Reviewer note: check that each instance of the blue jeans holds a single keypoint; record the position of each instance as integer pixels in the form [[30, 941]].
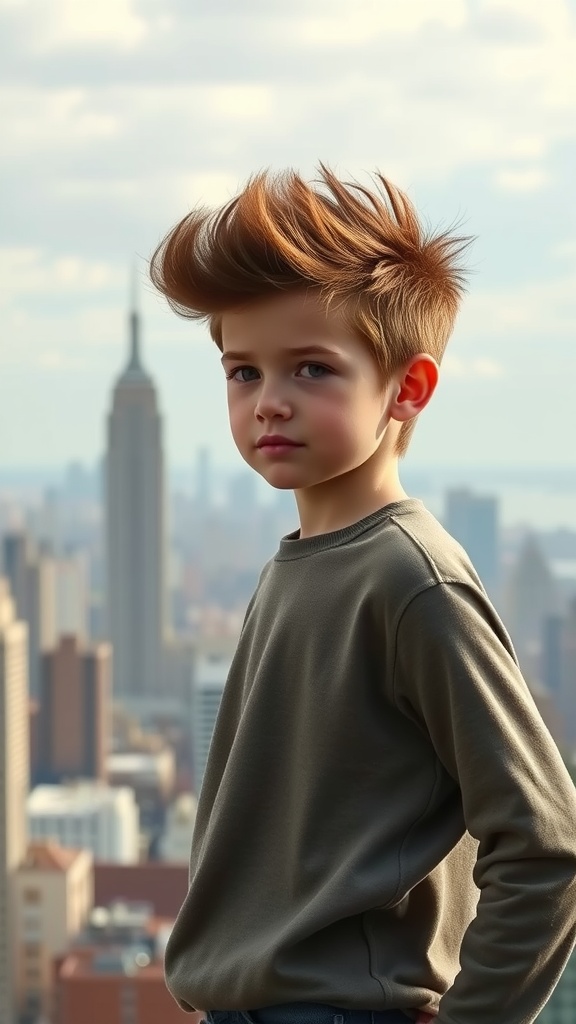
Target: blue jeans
[[306, 1013]]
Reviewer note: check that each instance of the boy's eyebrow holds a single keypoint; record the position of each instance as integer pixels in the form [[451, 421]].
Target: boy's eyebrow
[[305, 350]]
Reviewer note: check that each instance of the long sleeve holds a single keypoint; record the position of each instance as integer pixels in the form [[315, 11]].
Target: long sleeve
[[457, 677]]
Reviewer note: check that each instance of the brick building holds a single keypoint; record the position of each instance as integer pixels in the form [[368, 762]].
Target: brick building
[[115, 987]]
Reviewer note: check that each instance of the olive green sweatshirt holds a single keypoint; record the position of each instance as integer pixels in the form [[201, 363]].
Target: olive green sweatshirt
[[385, 821]]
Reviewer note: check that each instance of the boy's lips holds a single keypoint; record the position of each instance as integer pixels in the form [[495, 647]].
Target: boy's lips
[[276, 441]]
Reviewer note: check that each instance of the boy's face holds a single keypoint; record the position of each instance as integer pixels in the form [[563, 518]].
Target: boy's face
[[296, 371]]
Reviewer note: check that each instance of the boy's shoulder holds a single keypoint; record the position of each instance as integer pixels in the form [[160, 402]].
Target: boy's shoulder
[[414, 553], [381, 562]]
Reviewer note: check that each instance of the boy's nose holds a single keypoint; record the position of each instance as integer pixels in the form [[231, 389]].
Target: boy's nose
[[271, 402]]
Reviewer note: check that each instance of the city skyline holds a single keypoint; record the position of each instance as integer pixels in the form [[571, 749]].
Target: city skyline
[[536, 497], [117, 124]]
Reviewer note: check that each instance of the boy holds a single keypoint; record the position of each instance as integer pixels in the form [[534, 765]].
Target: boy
[[385, 831]]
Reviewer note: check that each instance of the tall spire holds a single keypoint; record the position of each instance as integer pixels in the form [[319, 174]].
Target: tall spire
[[134, 363]]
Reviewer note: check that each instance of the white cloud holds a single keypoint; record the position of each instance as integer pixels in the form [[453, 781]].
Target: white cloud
[[206, 189], [565, 250], [37, 121], [76, 336], [526, 179], [369, 18], [28, 271], [528, 311], [65, 123], [53, 359], [486, 368], [431, 93], [67, 23], [552, 18], [477, 368], [238, 101]]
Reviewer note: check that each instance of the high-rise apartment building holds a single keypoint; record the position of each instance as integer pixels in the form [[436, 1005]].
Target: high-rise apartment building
[[135, 499], [531, 598], [72, 595], [569, 664], [472, 520], [54, 896], [204, 483], [243, 495], [206, 695], [88, 816], [14, 782], [17, 553], [75, 710], [551, 656], [31, 574]]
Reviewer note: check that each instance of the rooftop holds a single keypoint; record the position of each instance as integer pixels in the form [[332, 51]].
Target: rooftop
[[212, 672], [164, 886], [77, 797], [113, 962], [136, 763], [49, 856]]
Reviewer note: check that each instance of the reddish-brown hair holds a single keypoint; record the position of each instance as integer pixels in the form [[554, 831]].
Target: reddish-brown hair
[[398, 286]]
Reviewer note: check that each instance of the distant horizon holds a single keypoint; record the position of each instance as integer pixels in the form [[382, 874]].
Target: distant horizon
[[529, 497], [562, 475]]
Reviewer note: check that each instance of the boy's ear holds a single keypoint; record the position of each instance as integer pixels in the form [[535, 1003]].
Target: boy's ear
[[415, 385]]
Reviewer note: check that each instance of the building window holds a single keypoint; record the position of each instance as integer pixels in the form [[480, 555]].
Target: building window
[[32, 896], [128, 1007]]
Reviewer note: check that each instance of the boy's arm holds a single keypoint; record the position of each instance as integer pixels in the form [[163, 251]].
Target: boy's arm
[[457, 676]]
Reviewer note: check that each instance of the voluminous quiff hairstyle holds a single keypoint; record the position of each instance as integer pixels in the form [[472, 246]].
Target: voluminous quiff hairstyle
[[398, 286]]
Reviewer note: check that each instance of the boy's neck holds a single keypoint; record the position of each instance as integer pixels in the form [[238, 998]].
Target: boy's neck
[[347, 499]]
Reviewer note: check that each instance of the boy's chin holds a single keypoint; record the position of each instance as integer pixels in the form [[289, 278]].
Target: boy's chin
[[294, 483], [281, 485], [283, 479]]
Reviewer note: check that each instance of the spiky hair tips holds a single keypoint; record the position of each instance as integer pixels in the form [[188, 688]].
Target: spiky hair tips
[[280, 232]]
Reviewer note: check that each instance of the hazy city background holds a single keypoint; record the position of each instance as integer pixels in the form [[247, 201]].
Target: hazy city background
[[131, 533]]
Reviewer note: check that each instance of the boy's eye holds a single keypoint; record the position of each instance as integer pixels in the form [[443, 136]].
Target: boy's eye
[[233, 375], [316, 366]]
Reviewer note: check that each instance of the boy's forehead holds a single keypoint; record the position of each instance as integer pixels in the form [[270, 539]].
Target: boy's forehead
[[298, 312]]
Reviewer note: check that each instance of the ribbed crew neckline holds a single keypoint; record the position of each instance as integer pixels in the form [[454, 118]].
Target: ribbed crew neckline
[[293, 546]]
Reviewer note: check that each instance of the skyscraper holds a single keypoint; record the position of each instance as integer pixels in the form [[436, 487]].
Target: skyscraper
[[72, 594], [472, 520], [31, 575], [73, 728], [14, 781], [558, 670], [203, 490], [135, 502], [568, 674], [551, 656], [205, 697], [531, 599]]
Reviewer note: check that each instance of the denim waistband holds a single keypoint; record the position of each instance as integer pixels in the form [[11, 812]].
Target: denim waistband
[[307, 1013]]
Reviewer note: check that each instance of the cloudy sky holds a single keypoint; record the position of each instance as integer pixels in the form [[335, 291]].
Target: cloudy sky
[[118, 117]]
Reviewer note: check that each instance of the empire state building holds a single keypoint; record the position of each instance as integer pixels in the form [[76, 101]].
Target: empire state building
[[135, 499]]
